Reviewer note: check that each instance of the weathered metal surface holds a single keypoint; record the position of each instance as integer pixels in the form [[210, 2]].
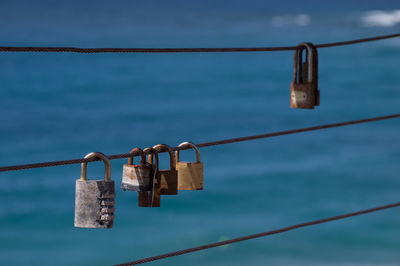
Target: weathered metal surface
[[136, 177], [94, 199], [169, 181], [149, 199], [302, 96], [94, 203], [190, 174], [168, 177], [152, 197], [304, 91]]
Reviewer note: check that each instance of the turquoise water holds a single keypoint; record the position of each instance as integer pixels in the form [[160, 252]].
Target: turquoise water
[[63, 106]]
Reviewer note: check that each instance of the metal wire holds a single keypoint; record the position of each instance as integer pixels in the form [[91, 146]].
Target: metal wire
[[214, 143], [184, 50], [268, 233], [202, 145]]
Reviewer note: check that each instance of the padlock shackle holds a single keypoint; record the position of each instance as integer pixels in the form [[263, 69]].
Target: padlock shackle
[[150, 156], [165, 147], [107, 165], [311, 59], [191, 145], [152, 152], [141, 153]]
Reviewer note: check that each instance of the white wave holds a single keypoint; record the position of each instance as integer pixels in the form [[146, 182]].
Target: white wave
[[302, 20], [380, 18], [299, 20]]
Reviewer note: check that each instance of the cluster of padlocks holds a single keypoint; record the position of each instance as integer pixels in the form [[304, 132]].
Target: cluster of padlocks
[[95, 199]]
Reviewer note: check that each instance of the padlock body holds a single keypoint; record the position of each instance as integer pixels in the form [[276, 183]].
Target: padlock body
[[150, 198], [169, 182], [136, 177], [145, 199], [303, 95], [190, 175], [94, 203]]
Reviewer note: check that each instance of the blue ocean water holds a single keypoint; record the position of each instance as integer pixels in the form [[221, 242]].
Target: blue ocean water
[[63, 106]]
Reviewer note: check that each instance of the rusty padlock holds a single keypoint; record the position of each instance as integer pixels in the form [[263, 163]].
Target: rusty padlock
[[304, 91], [95, 199], [190, 174], [151, 198], [136, 177], [168, 177]]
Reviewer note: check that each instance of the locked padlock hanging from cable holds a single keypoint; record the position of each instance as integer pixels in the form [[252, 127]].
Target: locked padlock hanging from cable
[[190, 174], [136, 177], [95, 199], [168, 177], [152, 197], [304, 91]]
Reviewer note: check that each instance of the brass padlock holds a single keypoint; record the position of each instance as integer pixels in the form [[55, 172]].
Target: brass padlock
[[168, 177], [304, 91], [190, 174], [151, 198], [136, 177], [94, 199]]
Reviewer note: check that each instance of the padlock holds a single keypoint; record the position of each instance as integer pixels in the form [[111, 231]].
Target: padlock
[[168, 177], [151, 198], [190, 174], [136, 177], [95, 199], [304, 91]]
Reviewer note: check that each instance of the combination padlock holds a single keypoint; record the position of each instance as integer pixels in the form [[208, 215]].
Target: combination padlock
[[136, 177], [152, 197], [95, 199], [168, 177], [304, 91], [190, 174]]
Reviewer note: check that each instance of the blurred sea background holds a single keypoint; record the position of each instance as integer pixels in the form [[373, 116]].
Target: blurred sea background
[[57, 106]]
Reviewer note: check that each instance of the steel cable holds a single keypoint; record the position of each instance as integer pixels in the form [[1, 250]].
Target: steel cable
[[214, 143], [268, 233], [185, 50], [204, 144]]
